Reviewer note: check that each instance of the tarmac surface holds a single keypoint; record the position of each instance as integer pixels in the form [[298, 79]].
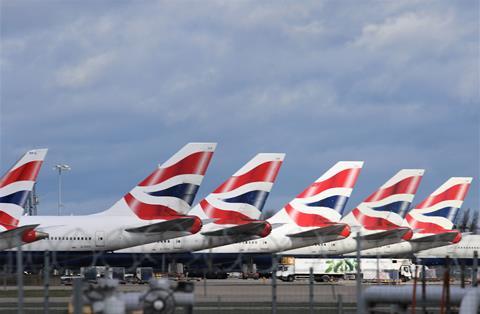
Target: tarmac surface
[[214, 296]]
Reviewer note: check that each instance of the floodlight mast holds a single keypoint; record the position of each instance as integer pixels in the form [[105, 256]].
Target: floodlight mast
[[60, 168]]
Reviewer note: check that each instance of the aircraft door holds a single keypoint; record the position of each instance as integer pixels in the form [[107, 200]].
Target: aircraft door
[[99, 239], [263, 244], [177, 243]]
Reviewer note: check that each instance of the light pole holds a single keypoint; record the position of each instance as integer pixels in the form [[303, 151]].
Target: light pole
[[60, 168]]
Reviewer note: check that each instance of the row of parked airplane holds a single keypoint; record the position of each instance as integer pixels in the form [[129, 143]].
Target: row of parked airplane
[[157, 216]]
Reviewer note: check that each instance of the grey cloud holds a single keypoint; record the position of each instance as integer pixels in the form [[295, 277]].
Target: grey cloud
[[112, 88]]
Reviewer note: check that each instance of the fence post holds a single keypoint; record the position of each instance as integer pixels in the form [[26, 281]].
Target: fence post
[[204, 284], [424, 289], [310, 295], [449, 306], [5, 276], [20, 277], [340, 304], [462, 273], [46, 281], [414, 297], [475, 269], [163, 263], [77, 296], [359, 275], [274, 284]]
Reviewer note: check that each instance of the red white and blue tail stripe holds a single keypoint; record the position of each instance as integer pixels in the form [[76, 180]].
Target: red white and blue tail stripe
[[240, 199], [386, 208], [16, 185], [170, 190], [437, 213], [323, 202]]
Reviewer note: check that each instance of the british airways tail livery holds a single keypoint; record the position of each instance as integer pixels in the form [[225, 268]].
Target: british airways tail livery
[[432, 220], [231, 213], [311, 217], [241, 198], [15, 187], [154, 210], [170, 189], [378, 218], [386, 208], [323, 202], [437, 213]]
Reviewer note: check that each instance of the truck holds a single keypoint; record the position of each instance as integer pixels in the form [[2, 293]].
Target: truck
[[249, 271], [386, 269], [333, 269], [143, 274]]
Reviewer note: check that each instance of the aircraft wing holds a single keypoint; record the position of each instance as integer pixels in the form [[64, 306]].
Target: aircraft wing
[[387, 234], [248, 229], [441, 237], [319, 232], [9, 238], [177, 224]]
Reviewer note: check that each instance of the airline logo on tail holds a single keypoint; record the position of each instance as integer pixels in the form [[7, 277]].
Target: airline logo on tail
[[437, 213], [323, 202], [169, 191], [241, 198], [386, 208], [16, 185]]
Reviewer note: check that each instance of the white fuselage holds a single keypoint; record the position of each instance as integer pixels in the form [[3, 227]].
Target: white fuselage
[[465, 248], [92, 233]]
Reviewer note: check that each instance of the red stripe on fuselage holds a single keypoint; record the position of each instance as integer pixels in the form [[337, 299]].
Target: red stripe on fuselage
[[406, 186], [195, 163], [26, 172], [373, 223], [343, 179], [454, 193], [266, 172]]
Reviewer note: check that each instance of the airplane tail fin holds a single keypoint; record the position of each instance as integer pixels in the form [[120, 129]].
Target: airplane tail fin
[[437, 213], [386, 208], [171, 188], [323, 202], [16, 185], [241, 198]]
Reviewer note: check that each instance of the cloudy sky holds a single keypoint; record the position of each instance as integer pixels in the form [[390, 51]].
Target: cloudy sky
[[115, 87]]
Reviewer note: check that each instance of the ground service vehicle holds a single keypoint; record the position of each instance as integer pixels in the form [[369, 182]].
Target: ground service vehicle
[[332, 269], [144, 274]]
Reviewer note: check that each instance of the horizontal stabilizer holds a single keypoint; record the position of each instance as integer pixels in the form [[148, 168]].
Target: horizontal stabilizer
[[10, 238], [319, 232], [249, 229], [441, 237], [387, 234], [178, 224]]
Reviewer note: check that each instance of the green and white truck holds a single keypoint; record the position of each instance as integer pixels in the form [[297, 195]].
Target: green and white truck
[[333, 269]]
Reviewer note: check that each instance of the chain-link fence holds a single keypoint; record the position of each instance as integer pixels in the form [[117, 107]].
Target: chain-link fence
[[56, 282]]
